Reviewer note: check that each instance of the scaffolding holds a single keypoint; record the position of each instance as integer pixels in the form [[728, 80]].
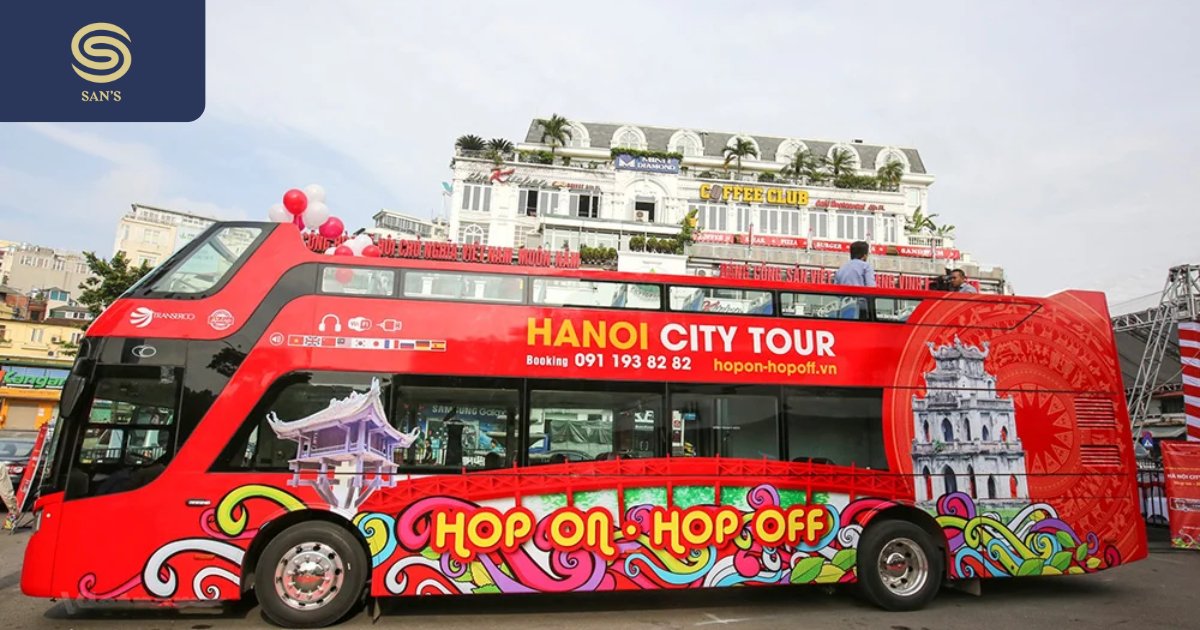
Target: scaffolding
[[1180, 302]]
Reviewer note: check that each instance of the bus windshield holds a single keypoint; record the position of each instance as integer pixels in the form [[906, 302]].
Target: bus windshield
[[208, 264]]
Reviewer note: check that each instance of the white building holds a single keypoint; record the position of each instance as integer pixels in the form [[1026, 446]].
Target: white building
[[612, 182], [149, 234], [398, 225], [965, 435], [33, 269]]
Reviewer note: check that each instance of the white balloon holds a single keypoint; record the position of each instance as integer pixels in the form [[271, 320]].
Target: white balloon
[[316, 214], [330, 250], [314, 192], [279, 214], [358, 243]]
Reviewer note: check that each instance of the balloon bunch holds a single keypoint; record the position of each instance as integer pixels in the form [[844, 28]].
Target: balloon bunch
[[361, 245], [306, 209]]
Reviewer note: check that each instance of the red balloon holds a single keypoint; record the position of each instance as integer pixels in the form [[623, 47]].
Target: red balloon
[[372, 251], [332, 228], [344, 275], [295, 201], [342, 250]]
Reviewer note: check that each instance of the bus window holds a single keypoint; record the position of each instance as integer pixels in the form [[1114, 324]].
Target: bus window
[[127, 436], [894, 309], [843, 426], [459, 423], [357, 281], [208, 264], [293, 397], [479, 287], [824, 306], [716, 300], [573, 426], [585, 293], [730, 425]]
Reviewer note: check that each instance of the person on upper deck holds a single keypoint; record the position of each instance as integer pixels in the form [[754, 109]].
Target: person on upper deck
[[857, 271]]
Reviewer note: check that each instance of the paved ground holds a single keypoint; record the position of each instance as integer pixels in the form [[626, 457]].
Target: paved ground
[[1160, 592]]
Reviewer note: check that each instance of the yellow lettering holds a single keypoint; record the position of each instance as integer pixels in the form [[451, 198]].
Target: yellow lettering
[[705, 191], [818, 525], [535, 331], [769, 527], [489, 522], [600, 531], [773, 195], [662, 527], [456, 530], [566, 335], [593, 333], [645, 335], [758, 195], [697, 528], [566, 529], [630, 332], [803, 200], [729, 523], [520, 525]]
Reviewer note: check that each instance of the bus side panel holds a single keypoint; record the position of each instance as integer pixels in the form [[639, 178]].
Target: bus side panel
[[1017, 436]]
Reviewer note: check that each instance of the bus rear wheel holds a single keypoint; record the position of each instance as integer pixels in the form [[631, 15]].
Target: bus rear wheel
[[899, 567], [311, 575]]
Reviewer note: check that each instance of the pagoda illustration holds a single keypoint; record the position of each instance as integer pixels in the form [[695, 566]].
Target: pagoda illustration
[[346, 451], [965, 437]]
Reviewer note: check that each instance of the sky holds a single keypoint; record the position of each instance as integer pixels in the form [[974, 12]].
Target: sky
[[1062, 135]]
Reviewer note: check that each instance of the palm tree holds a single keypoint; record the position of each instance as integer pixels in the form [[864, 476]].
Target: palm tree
[[920, 223], [469, 142], [944, 230], [740, 148], [802, 165], [555, 132], [841, 162], [500, 144], [889, 174]]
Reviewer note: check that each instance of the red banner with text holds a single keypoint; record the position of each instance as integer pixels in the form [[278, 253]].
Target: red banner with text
[[1181, 466]]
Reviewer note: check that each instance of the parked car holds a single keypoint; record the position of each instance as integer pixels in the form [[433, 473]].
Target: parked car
[[15, 448]]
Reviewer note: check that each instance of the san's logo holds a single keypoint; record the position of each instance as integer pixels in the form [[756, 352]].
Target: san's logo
[[141, 317], [101, 51]]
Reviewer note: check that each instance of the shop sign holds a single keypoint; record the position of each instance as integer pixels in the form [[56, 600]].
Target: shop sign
[[647, 164], [456, 252], [754, 194], [848, 205], [23, 377]]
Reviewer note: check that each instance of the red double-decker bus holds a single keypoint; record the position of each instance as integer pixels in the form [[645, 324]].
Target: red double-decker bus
[[257, 415]]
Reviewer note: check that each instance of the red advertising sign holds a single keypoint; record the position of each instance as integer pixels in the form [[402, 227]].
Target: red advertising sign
[[943, 253], [1181, 466], [762, 271]]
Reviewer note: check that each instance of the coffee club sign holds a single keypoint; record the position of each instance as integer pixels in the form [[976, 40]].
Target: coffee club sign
[[754, 194]]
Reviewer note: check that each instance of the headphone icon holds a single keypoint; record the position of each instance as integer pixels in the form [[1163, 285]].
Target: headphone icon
[[337, 323]]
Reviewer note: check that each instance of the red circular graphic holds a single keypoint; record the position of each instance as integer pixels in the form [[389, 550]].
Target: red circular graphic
[[221, 319]]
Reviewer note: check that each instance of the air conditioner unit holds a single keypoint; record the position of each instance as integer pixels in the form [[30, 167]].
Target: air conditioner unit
[[640, 215]]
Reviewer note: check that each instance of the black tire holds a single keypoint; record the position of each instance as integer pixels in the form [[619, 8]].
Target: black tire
[[332, 552], [909, 583]]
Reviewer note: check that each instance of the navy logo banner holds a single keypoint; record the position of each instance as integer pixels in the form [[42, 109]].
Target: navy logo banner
[[113, 61]]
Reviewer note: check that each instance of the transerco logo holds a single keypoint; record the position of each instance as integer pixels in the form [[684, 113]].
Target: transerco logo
[[142, 316]]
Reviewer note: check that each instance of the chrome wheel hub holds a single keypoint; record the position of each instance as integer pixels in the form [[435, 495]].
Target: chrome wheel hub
[[309, 576], [903, 567]]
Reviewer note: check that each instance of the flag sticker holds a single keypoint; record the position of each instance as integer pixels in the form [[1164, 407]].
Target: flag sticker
[[366, 343]]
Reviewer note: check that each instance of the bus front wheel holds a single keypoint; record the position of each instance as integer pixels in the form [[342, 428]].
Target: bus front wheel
[[899, 567], [311, 575]]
